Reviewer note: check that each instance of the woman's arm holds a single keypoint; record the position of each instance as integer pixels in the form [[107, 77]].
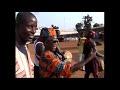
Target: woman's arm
[[99, 54], [39, 49]]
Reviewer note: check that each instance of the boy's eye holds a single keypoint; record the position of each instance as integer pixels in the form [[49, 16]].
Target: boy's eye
[[32, 27], [29, 26]]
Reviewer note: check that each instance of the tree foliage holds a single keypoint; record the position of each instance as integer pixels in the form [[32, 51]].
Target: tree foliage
[[55, 27], [87, 21]]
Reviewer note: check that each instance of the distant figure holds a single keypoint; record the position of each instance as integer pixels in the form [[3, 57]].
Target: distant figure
[[26, 24], [80, 44]]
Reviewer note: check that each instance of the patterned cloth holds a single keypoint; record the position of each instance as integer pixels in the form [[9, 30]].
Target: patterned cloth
[[52, 67], [24, 66]]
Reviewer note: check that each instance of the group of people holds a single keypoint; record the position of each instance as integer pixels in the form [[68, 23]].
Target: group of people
[[49, 61]]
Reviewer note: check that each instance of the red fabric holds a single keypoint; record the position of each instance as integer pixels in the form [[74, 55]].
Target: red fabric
[[52, 32]]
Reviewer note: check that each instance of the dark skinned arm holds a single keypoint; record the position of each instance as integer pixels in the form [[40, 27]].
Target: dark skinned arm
[[39, 49], [99, 54], [78, 65]]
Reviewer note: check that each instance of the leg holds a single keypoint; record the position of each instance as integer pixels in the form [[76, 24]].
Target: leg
[[80, 59], [87, 75], [83, 68], [95, 70], [95, 74]]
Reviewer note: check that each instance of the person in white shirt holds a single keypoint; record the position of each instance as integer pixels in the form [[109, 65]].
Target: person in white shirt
[[26, 25]]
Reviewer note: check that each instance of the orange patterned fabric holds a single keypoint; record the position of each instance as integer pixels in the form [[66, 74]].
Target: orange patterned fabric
[[52, 32], [52, 67]]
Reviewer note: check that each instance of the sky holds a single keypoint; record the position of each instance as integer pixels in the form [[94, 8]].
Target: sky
[[66, 20]]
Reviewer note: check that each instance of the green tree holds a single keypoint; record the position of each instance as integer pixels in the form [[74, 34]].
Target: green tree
[[55, 27], [52, 25], [79, 26], [96, 25], [87, 22]]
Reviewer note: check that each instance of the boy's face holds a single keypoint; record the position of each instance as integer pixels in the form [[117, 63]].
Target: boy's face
[[27, 29]]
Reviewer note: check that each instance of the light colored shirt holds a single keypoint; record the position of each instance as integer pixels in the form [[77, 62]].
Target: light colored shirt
[[24, 66], [80, 47]]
